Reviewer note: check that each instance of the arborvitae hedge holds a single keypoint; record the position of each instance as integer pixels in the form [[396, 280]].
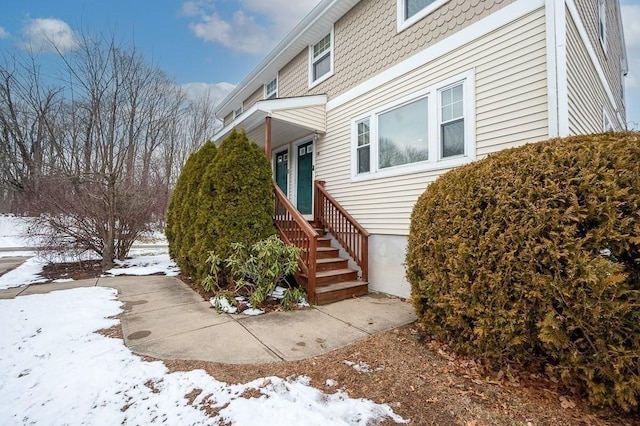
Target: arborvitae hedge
[[183, 207], [531, 256], [240, 210], [224, 195]]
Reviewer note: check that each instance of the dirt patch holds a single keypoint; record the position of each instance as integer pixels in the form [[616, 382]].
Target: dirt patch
[[74, 270], [114, 332]]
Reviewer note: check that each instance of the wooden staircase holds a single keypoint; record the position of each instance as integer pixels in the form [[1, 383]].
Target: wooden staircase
[[335, 280], [326, 276]]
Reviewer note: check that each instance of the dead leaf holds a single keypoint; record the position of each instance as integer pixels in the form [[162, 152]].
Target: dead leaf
[[566, 403]]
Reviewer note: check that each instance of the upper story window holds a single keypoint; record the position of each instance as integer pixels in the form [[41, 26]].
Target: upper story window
[[271, 89], [237, 112], [602, 23], [431, 129], [321, 60], [411, 11]]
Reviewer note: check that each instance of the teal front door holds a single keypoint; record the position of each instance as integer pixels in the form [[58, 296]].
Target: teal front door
[[282, 171], [305, 177]]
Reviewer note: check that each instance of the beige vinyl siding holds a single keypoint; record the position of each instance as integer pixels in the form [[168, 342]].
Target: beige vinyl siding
[[366, 42], [586, 94], [611, 60], [256, 96], [511, 97], [312, 117]]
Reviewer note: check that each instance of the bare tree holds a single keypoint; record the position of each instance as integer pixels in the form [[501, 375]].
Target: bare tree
[[94, 156]]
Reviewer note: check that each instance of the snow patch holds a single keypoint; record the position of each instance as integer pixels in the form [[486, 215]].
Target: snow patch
[[27, 273], [142, 264], [57, 369]]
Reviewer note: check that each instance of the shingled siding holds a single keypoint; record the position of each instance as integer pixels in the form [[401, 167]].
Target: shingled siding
[[367, 42], [586, 94], [511, 96], [610, 62]]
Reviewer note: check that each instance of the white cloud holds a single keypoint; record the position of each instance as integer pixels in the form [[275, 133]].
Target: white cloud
[[48, 35], [214, 92], [630, 19], [3, 33], [253, 29]]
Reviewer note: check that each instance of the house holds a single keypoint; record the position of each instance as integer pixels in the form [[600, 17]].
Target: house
[[366, 102]]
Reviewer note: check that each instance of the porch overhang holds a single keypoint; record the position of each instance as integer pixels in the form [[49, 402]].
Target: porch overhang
[[291, 119]]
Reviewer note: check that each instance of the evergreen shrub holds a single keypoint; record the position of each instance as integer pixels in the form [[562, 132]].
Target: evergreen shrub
[[183, 207], [236, 200], [223, 196], [531, 257]]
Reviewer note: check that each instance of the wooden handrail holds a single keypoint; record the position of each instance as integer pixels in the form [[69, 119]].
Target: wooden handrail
[[344, 228], [295, 230]]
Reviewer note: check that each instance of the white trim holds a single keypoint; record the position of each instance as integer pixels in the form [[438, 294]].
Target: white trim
[[435, 161], [573, 10], [481, 28], [267, 106], [552, 75], [312, 82], [561, 68], [266, 94], [402, 23]]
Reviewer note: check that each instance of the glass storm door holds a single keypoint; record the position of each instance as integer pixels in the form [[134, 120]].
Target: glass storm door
[[305, 176], [282, 171]]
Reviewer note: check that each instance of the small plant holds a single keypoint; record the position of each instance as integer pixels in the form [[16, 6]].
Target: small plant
[[253, 271], [293, 296]]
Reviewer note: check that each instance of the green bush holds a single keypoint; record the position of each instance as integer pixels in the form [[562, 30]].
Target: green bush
[[223, 196], [531, 256], [254, 271], [182, 212], [240, 209]]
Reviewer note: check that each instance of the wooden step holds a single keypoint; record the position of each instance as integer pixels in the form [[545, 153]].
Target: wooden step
[[340, 291], [335, 276], [327, 252], [322, 241], [331, 264]]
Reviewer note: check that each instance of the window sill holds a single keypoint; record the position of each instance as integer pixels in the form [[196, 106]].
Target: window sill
[[413, 169], [313, 84]]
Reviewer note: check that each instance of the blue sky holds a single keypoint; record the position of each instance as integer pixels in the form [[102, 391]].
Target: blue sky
[[206, 43]]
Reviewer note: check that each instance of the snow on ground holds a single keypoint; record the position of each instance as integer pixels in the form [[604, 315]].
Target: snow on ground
[[25, 274], [57, 370], [11, 229], [143, 262]]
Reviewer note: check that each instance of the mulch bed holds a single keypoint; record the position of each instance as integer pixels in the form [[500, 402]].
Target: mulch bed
[[418, 377]]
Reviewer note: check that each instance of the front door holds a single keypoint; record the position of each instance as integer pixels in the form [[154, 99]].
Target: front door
[[305, 178], [282, 171]]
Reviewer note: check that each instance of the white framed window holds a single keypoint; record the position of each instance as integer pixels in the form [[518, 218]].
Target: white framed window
[[411, 11], [271, 89], [321, 60], [607, 125], [238, 112], [429, 129], [602, 24]]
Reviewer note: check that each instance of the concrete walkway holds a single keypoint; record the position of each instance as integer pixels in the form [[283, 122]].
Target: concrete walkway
[[165, 318]]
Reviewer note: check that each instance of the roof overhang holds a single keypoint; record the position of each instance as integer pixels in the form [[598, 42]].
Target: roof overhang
[[314, 26], [285, 127]]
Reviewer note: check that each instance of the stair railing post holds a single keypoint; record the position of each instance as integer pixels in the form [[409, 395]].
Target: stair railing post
[[311, 267]]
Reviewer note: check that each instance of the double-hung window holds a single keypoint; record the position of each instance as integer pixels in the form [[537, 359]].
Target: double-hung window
[[271, 89], [411, 11], [321, 60], [602, 23], [429, 129]]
